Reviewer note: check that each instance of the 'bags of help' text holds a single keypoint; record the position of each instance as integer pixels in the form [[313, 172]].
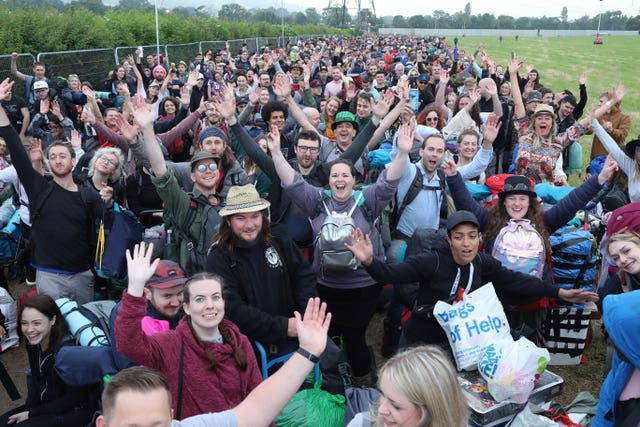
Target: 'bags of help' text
[[471, 324]]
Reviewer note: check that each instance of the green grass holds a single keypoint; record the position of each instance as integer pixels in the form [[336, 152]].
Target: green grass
[[561, 60]]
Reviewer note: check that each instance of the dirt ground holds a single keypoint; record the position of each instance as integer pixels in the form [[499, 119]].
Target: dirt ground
[[585, 377]]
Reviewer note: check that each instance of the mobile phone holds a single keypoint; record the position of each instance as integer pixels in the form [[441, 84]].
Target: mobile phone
[[140, 55], [513, 55]]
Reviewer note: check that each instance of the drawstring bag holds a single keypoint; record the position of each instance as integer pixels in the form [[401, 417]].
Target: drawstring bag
[[126, 231]]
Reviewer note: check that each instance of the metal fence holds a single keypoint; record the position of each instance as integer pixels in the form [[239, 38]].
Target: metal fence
[[94, 65]]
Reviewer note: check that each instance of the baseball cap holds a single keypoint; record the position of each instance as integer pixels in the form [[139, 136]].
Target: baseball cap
[[461, 217], [534, 95], [315, 83], [167, 275], [40, 84]]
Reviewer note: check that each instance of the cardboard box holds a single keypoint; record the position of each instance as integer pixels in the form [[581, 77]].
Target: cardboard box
[[486, 412]]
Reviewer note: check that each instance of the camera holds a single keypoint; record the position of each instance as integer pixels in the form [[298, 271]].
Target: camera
[[105, 96]]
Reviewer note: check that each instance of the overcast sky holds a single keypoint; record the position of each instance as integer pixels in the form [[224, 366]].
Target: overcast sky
[[516, 8]]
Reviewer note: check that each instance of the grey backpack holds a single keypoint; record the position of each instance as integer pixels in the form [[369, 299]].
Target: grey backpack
[[333, 234]]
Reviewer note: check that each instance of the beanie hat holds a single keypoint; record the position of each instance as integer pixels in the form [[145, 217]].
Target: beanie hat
[[159, 67], [213, 131]]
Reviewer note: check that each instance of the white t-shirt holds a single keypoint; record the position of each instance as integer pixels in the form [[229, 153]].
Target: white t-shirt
[[219, 419]]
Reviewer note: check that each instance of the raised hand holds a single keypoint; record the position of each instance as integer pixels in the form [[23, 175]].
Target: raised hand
[[618, 93], [139, 267], [254, 97], [361, 247], [491, 128], [312, 329], [5, 89], [87, 116], [609, 168], [44, 106], [129, 131], [491, 88], [381, 108], [449, 167], [582, 80], [55, 109], [225, 106], [273, 140], [192, 80], [142, 112], [35, 151], [444, 77], [406, 134], [75, 139], [282, 87]]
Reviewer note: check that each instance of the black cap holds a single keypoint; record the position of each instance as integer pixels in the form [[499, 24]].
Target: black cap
[[461, 217]]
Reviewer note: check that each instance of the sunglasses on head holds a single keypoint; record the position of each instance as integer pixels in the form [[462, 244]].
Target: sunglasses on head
[[210, 166]]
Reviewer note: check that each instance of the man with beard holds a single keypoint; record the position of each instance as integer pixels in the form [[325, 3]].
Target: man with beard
[[64, 216], [266, 278]]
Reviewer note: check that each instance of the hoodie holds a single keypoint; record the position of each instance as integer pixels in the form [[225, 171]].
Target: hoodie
[[622, 320]]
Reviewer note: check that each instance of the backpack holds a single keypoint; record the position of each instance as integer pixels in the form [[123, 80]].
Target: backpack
[[334, 233], [198, 248], [573, 258], [519, 247], [89, 323], [413, 191]]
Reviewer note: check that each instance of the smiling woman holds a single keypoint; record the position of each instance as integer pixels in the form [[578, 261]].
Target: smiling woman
[[49, 401], [209, 363]]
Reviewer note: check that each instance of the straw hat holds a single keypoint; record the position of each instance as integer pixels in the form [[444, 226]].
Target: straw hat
[[243, 199]]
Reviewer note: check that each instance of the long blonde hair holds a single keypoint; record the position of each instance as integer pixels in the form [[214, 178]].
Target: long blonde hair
[[427, 378]]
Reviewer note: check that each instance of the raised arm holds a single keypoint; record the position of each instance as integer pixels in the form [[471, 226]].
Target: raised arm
[[143, 114], [283, 168], [518, 104], [14, 66], [404, 144], [266, 401], [282, 89], [618, 94]]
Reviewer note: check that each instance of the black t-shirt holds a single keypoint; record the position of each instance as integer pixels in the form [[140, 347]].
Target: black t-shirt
[[61, 234], [12, 107]]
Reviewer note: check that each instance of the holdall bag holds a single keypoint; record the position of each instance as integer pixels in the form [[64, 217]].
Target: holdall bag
[[126, 231], [573, 259]]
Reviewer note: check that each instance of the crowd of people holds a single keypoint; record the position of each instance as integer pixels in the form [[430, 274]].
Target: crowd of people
[[287, 177]]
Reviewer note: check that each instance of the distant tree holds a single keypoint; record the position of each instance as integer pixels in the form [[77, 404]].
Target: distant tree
[[584, 23], [467, 15], [564, 15], [505, 22], [399, 22], [299, 18], [633, 24], [184, 11], [265, 15], [416, 21], [95, 6], [523, 23], [313, 17], [233, 12], [134, 4]]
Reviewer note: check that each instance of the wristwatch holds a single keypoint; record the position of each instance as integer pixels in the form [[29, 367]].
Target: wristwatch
[[304, 353]]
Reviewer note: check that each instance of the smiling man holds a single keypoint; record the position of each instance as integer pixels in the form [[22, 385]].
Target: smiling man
[[265, 275]]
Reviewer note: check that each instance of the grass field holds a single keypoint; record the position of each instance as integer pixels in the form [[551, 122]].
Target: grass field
[[561, 60]]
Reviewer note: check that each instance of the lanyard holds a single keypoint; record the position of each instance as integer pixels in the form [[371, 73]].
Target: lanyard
[[457, 281]]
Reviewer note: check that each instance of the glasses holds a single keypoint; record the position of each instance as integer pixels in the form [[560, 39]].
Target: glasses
[[305, 148], [518, 187], [203, 168], [423, 82], [431, 119], [108, 161]]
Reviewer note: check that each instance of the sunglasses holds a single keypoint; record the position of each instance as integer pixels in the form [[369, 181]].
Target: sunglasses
[[423, 82], [431, 119], [518, 187], [203, 168]]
